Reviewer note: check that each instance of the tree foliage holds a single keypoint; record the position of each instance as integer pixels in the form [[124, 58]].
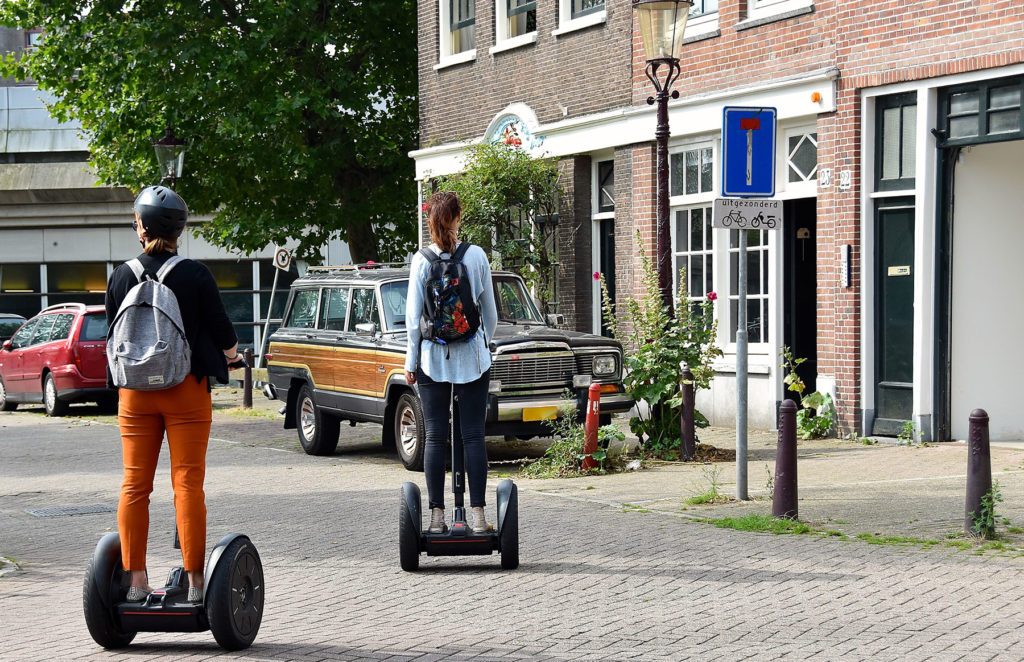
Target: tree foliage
[[510, 208], [299, 114]]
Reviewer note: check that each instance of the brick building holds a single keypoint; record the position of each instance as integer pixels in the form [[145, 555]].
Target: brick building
[[899, 143]]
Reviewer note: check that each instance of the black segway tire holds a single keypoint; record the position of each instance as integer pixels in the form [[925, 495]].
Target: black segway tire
[[508, 535], [408, 532], [98, 617], [234, 596]]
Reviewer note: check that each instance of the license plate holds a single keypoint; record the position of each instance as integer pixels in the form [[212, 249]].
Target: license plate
[[540, 413]]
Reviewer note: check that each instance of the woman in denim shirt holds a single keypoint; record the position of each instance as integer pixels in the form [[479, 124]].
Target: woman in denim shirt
[[462, 366]]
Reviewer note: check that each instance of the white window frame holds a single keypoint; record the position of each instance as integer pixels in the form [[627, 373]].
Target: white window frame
[[767, 8], [502, 41], [445, 57], [692, 200], [566, 23], [804, 189], [698, 26], [595, 233]]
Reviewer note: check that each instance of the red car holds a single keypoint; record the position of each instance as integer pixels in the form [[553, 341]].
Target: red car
[[57, 357]]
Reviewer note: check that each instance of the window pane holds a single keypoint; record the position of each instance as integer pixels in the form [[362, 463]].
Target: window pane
[[42, 332], [76, 277], [1004, 121], [23, 335], [606, 186], [734, 307], [680, 264], [891, 143], [393, 296], [754, 319], [303, 315], [62, 326], [963, 127], [909, 157], [20, 278], [231, 275], [94, 327], [583, 7], [753, 272], [332, 312], [238, 306], [692, 165], [706, 165], [682, 231], [708, 272], [803, 157], [1004, 97], [697, 228], [364, 308], [696, 276], [675, 174], [707, 229], [963, 102]]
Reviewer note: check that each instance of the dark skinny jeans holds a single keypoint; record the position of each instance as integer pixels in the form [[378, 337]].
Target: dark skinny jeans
[[472, 411]]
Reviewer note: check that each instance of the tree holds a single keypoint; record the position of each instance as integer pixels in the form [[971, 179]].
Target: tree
[[299, 114], [510, 208]]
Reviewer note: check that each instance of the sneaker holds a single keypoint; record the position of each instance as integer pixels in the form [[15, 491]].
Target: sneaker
[[136, 594], [195, 595], [437, 524], [478, 522]]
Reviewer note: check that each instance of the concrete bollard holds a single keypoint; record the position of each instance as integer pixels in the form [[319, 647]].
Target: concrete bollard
[[591, 425], [979, 468], [247, 380], [784, 497], [688, 450]]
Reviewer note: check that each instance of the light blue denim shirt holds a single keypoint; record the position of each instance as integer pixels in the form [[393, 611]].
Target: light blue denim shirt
[[457, 362]]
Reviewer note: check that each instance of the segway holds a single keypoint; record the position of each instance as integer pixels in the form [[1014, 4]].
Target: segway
[[232, 605], [459, 540]]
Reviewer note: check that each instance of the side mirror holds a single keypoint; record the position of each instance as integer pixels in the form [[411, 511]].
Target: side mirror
[[555, 319], [366, 329], [7, 345]]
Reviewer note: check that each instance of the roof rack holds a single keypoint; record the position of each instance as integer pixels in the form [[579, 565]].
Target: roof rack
[[63, 306], [358, 267]]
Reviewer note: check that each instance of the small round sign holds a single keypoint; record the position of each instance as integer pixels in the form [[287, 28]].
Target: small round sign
[[282, 259]]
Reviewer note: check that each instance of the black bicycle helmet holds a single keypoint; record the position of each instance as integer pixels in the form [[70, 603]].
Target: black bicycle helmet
[[161, 211]]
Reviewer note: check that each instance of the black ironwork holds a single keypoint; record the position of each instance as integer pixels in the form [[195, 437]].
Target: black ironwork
[[784, 501], [688, 451], [662, 72], [979, 472]]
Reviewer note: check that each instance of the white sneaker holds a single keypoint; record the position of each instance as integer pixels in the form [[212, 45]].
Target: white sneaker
[[478, 522], [437, 524]]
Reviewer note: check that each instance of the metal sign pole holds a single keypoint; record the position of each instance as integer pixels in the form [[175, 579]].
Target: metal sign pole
[[266, 324], [741, 372]]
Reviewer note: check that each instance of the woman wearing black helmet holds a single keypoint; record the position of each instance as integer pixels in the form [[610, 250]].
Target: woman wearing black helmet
[[184, 411]]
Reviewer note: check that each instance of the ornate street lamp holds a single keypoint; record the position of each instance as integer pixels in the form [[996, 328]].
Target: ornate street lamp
[[170, 155], [662, 24]]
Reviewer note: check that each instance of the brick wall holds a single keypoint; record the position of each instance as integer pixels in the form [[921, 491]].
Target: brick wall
[[575, 243]]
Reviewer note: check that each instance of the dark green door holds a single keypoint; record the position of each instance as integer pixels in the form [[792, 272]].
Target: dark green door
[[894, 318]]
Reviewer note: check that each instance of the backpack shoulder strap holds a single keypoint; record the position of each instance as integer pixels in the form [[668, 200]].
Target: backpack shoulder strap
[[460, 252], [430, 255], [167, 266], [136, 266]]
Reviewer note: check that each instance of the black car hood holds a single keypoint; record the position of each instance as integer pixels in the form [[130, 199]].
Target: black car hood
[[509, 334]]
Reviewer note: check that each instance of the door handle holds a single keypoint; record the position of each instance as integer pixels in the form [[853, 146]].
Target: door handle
[[380, 369]]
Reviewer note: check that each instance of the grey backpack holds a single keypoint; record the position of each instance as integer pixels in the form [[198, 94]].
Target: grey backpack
[[146, 345]]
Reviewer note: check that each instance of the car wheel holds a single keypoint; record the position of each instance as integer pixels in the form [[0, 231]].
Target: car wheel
[[5, 404], [318, 431], [54, 405], [410, 436]]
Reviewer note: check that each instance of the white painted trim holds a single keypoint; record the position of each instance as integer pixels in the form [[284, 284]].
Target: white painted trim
[[458, 58], [926, 196], [867, 264], [501, 36], [573, 24], [701, 25], [900, 193], [635, 124], [946, 81], [767, 8], [514, 42]]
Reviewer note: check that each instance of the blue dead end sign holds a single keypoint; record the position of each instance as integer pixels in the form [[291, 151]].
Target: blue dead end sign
[[748, 152]]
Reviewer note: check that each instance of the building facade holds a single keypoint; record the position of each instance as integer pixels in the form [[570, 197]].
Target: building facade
[[898, 141]]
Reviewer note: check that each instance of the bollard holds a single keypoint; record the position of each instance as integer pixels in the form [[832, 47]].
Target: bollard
[[979, 469], [784, 496], [247, 379], [688, 451], [590, 427]]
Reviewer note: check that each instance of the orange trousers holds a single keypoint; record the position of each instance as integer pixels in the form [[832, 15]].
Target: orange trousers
[[184, 412]]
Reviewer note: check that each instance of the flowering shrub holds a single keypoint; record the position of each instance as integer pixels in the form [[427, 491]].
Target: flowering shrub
[[656, 350]]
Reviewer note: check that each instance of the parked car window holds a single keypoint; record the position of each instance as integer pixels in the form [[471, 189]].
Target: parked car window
[[21, 338], [61, 327], [42, 332], [332, 312], [303, 313], [94, 327], [392, 296], [8, 327], [364, 308], [514, 303]]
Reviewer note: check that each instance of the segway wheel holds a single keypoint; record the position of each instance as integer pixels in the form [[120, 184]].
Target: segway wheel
[[508, 535], [408, 535], [234, 597], [99, 618]]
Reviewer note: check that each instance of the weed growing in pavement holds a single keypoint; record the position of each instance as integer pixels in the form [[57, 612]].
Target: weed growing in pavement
[[712, 474], [564, 456], [984, 521], [242, 412], [907, 434], [770, 484], [762, 524]]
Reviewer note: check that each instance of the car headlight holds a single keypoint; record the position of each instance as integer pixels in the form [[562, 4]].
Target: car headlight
[[604, 365]]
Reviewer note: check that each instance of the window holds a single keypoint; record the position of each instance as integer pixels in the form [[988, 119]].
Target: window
[[802, 157], [584, 7], [62, 326], [20, 289], [768, 8], [515, 24], [457, 39], [80, 282], [364, 308], [393, 297], [693, 251], [606, 186], [235, 280], [94, 327], [691, 171], [980, 112], [303, 315], [334, 309], [757, 284], [703, 8], [896, 131], [578, 14], [33, 38], [23, 335], [43, 329]]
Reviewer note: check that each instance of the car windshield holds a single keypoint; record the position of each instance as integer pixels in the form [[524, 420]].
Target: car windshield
[[514, 303], [392, 298], [94, 327]]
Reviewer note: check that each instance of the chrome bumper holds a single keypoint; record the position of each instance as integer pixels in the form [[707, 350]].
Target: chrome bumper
[[536, 409]]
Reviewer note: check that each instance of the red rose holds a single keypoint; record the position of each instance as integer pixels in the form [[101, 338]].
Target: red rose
[[712, 296]]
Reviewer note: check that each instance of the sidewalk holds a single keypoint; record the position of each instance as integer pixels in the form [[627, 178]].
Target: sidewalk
[[844, 486]]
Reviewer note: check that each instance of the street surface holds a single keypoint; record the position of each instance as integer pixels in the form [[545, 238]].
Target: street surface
[[596, 582]]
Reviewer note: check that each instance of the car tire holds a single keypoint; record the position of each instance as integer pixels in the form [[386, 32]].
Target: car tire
[[54, 405], [410, 433], [5, 404], [318, 431]]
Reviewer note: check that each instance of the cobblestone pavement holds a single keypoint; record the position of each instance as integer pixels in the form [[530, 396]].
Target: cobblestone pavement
[[598, 581]]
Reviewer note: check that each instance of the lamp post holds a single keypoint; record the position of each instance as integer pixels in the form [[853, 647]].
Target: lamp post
[[662, 24], [170, 155]]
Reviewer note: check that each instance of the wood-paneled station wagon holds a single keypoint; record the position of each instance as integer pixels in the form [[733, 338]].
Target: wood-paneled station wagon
[[340, 354]]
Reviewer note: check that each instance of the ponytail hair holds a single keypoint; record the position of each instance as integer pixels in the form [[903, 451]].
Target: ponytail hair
[[443, 210], [158, 245]]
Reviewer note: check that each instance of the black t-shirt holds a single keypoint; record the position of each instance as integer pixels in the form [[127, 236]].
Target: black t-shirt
[[207, 328]]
